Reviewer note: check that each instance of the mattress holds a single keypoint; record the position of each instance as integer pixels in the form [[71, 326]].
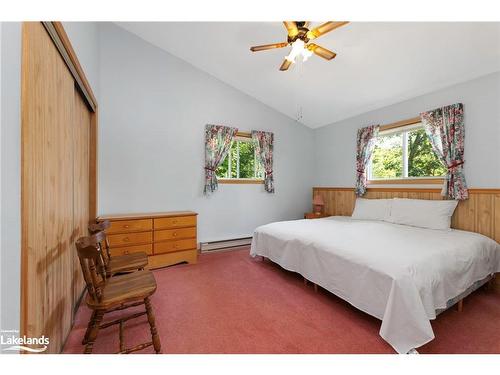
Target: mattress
[[399, 274]]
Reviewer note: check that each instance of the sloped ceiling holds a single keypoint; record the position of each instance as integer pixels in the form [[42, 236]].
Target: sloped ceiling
[[378, 64]]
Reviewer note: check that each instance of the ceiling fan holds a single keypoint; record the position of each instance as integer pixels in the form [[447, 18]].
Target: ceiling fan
[[299, 36]]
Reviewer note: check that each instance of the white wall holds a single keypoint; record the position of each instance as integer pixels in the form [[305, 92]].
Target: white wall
[[10, 251], [335, 144], [153, 110], [84, 37]]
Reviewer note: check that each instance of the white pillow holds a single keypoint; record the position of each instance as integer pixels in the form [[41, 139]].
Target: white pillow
[[372, 209], [433, 214]]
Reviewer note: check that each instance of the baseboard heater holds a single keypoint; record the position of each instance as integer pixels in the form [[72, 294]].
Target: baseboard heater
[[224, 244]]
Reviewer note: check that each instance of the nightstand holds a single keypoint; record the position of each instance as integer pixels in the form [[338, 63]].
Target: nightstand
[[312, 215]]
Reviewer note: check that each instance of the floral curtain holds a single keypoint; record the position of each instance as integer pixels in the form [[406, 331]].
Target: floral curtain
[[445, 128], [264, 150], [365, 144], [218, 140]]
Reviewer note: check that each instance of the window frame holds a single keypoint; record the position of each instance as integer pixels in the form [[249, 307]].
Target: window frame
[[249, 181], [395, 128]]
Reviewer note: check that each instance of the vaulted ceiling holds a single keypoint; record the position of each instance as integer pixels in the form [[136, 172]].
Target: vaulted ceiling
[[377, 64]]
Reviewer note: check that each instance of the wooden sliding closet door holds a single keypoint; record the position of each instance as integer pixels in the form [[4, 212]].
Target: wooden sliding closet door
[[81, 185], [55, 188]]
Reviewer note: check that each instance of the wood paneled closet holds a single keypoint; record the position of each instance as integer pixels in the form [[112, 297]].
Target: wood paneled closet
[[58, 194]]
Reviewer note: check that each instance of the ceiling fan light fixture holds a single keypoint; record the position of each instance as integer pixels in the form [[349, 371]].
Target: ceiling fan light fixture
[[298, 49], [299, 37]]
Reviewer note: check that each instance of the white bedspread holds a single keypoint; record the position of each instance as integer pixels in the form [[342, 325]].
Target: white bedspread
[[397, 273]]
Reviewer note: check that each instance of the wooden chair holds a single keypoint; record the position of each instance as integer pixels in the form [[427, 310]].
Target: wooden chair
[[121, 263], [116, 293]]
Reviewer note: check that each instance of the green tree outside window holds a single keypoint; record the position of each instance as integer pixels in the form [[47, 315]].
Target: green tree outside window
[[241, 162], [413, 146]]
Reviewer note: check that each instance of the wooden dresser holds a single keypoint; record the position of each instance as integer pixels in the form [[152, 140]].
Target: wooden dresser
[[167, 237]]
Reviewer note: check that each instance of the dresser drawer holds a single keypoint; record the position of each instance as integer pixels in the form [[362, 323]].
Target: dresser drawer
[[148, 249], [126, 226], [175, 222], [170, 246], [126, 239], [174, 234]]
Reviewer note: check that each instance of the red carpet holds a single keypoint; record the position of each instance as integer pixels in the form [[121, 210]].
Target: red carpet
[[231, 303]]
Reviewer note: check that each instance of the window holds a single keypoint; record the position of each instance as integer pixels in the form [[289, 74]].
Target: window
[[241, 164], [404, 153]]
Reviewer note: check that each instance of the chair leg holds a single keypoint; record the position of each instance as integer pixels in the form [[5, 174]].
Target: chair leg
[[86, 337], [152, 325], [94, 329]]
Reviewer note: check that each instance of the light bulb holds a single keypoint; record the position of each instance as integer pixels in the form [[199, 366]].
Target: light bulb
[[298, 48], [306, 53]]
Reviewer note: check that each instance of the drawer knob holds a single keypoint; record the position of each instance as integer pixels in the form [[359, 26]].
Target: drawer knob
[[126, 239], [126, 226], [174, 221], [176, 246], [125, 252], [174, 234]]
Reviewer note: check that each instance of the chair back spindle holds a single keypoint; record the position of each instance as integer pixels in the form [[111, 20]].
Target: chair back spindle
[[101, 227], [90, 257]]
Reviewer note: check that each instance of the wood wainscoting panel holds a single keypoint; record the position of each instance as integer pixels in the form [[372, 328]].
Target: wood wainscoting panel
[[484, 214], [480, 213], [464, 217], [496, 219]]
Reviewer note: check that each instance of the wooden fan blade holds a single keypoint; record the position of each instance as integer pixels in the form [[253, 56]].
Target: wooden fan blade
[[286, 64], [324, 28], [321, 52], [291, 27], [268, 46]]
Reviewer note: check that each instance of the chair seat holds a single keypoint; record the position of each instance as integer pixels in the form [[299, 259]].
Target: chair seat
[[124, 288], [127, 262]]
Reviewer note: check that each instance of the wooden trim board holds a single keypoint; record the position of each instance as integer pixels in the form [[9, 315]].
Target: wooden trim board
[[93, 164], [244, 134], [408, 181], [431, 190], [149, 215], [399, 124], [63, 45], [480, 213], [239, 181]]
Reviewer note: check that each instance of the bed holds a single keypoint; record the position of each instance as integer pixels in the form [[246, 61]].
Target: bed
[[400, 274]]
